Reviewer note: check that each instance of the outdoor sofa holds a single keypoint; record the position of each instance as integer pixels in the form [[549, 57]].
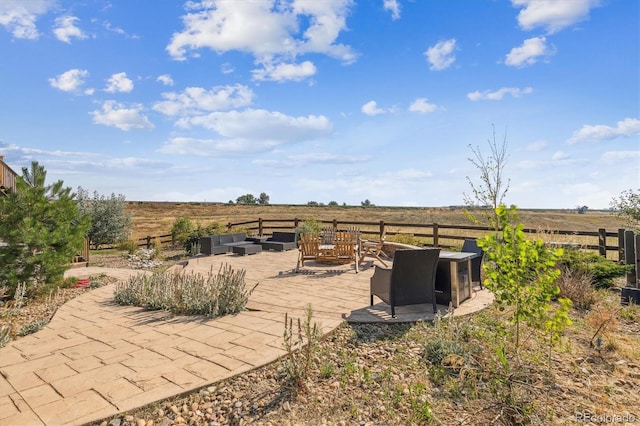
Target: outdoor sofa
[[223, 243], [280, 241]]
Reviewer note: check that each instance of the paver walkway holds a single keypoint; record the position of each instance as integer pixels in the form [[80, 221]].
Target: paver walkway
[[96, 359]]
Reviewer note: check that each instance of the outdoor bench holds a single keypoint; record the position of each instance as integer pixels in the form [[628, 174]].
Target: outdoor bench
[[223, 243], [280, 241]]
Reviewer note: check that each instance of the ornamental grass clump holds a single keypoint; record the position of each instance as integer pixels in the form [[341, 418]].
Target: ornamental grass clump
[[213, 295]]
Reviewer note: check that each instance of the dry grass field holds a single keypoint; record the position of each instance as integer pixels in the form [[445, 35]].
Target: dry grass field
[[156, 218]]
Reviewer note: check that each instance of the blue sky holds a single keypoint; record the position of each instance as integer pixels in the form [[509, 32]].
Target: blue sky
[[326, 100]]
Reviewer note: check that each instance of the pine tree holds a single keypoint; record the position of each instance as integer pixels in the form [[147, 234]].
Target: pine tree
[[41, 228]]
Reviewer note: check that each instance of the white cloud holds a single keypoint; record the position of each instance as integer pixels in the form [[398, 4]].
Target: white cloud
[[270, 33], [65, 29], [615, 157], [499, 94], [227, 68], [371, 108], [421, 105], [559, 155], [553, 15], [394, 7], [165, 79], [195, 100], [119, 83], [600, 132], [284, 72], [536, 146], [69, 81], [528, 53], [440, 56], [117, 115], [312, 158], [19, 16], [107, 25], [262, 126]]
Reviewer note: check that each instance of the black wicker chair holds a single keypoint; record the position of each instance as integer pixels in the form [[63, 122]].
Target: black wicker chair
[[470, 246], [410, 281]]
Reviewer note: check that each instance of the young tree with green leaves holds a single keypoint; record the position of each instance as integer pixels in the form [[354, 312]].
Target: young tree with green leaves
[[42, 228], [110, 222], [522, 274]]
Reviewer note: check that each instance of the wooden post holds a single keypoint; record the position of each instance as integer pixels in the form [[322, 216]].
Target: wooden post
[[630, 257], [620, 245], [637, 261], [602, 242], [335, 224], [148, 242], [382, 230], [435, 234], [260, 227]]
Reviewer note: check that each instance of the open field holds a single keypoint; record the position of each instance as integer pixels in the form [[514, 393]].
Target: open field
[[156, 218]]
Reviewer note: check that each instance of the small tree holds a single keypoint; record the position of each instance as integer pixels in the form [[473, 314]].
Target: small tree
[[109, 221], [492, 189], [42, 229], [582, 209], [246, 199], [627, 206], [366, 203], [263, 199], [522, 273], [181, 229], [332, 203]]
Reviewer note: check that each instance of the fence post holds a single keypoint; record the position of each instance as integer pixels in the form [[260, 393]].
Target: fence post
[[621, 256], [382, 230], [148, 242], [435, 234], [602, 242], [335, 224], [296, 221], [630, 257], [260, 227], [637, 261]]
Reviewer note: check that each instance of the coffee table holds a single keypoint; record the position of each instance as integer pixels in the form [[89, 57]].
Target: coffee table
[[247, 249]]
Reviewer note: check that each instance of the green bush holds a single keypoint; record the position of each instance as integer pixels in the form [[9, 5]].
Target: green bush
[[601, 270], [191, 294], [309, 226], [31, 328], [181, 229], [130, 246]]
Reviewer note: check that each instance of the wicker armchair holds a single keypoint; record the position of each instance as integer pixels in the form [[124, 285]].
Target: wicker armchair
[[411, 280]]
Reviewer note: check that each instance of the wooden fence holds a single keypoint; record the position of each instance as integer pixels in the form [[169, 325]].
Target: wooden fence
[[608, 244]]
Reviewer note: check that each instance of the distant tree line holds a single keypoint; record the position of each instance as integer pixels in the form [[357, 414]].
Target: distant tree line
[[263, 198]]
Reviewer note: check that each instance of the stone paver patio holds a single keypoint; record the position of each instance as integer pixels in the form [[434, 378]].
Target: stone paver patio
[[96, 359]]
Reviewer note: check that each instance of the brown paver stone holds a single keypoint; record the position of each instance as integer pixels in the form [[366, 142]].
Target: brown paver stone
[[40, 395], [69, 410]]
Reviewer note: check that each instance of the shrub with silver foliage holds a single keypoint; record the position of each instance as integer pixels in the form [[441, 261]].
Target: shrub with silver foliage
[[213, 295]]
